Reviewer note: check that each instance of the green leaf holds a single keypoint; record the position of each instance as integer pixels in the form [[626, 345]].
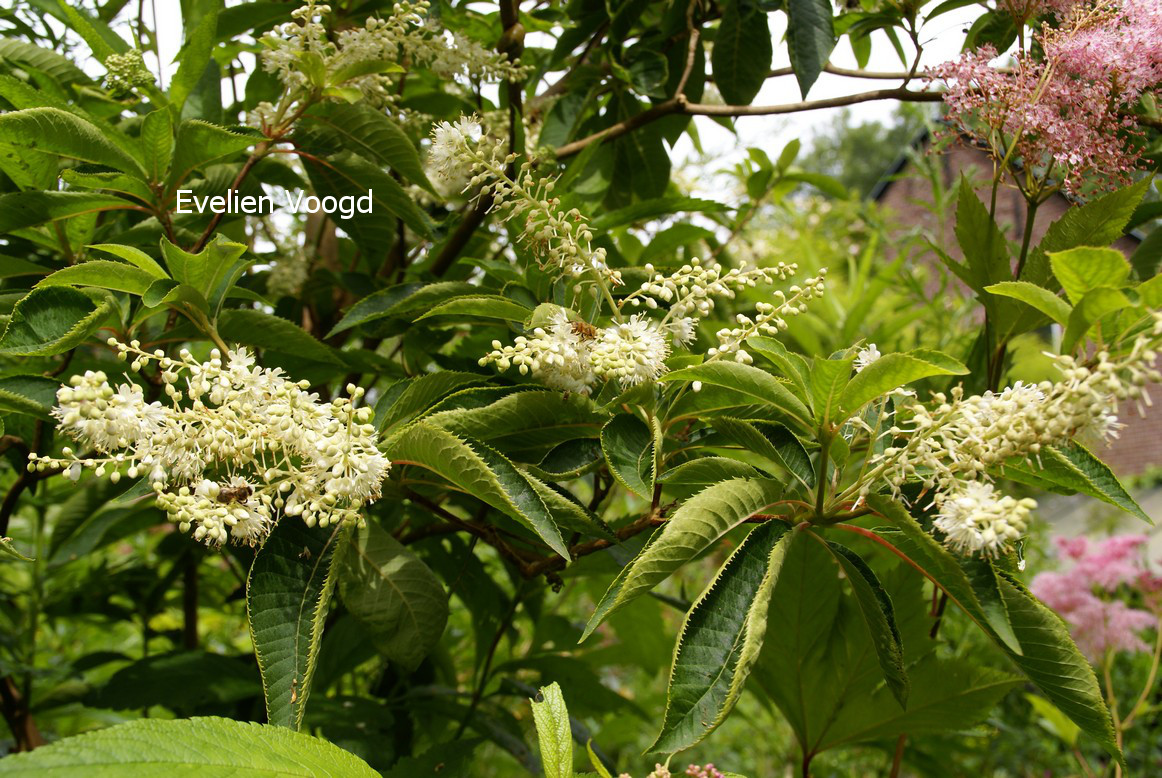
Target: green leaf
[[395, 595], [1099, 222], [651, 209], [56, 66], [372, 135], [401, 299], [1147, 258], [598, 767], [1081, 270], [348, 174], [810, 39], [554, 732], [487, 306], [53, 131], [1095, 304], [134, 256], [479, 471], [741, 57], [50, 321], [11, 267], [523, 421], [157, 143], [208, 747], [794, 367], [267, 331], [876, 607], [199, 143], [771, 442], [1043, 649], [948, 694], [287, 595], [751, 381], [628, 445], [28, 209], [6, 547], [211, 272], [567, 512], [945, 571], [109, 181], [694, 527], [1054, 720], [704, 471], [721, 638], [1071, 469], [892, 371], [166, 291], [100, 38], [416, 395], [102, 273], [1055, 664], [195, 54], [1038, 297], [31, 395], [829, 378], [986, 251], [798, 667]]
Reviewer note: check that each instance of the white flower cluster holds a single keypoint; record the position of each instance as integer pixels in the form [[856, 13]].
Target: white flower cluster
[[974, 517], [235, 446], [957, 441], [690, 291], [571, 354], [865, 356], [462, 151], [301, 52], [632, 351], [769, 319]]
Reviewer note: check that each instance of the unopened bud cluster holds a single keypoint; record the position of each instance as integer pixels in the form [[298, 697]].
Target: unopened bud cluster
[[234, 447], [126, 72], [690, 291], [769, 318], [954, 444]]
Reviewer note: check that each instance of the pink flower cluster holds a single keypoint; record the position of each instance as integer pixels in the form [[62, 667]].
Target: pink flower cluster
[[1067, 114], [693, 771], [1082, 594]]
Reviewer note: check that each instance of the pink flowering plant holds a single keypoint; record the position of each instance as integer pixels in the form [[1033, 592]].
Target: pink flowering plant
[[1111, 597]]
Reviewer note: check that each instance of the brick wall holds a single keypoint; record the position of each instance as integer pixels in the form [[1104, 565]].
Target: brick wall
[[1139, 446]]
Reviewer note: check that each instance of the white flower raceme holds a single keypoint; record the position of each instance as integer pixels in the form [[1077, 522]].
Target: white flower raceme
[[975, 518], [234, 447], [558, 238], [691, 290], [769, 319], [960, 439], [353, 56], [866, 356]]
